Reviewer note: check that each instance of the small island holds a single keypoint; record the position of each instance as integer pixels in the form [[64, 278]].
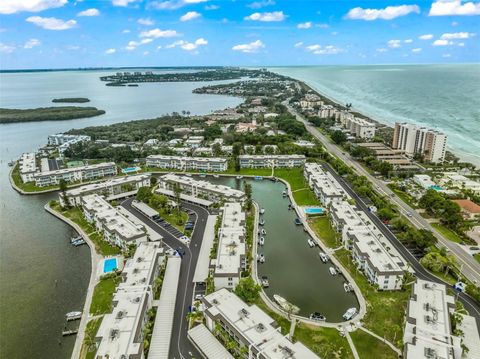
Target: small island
[[71, 100], [47, 114]]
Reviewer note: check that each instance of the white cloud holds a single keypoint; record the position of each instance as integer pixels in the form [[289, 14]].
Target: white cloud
[[454, 7], [324, 50], [442, 43], [190, 16], [454, 23], [417, 49], [110, 51], [132, 45], [172, 4], [394, 43], [14, 6], [126, 31], [249, 48], [408, 41], [322, 26], [89, 12], [31, 43], [426, 37], [146, 22], [260, 4], [266, 16], [188, 46], [211, 7], [122, 3], [145, 53], [461, 44], [157, 33], [305, 25], [456, 35], [6, 49], [446, 55], [51, 23], [298, 44], [389, 13], [382, 50], [73, 47]]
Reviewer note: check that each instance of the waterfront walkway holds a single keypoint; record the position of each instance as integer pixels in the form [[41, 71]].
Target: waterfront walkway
[[96, 258]]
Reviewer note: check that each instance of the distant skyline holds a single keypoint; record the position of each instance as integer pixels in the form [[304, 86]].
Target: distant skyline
[[116, 33]]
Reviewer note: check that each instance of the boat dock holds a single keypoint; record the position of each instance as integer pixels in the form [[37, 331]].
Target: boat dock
[[69, 332]]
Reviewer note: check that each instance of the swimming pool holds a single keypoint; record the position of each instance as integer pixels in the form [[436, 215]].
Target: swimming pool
[[436, 188], [109, 265], [314, 210], [131, 169]]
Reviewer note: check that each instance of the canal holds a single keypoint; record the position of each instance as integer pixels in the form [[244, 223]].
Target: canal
[[294, 270]]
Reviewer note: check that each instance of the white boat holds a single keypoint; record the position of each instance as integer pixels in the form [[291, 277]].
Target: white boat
[[317, 316], [311, 243], [216, 176], [332, 270], [347, 286], [261, 258], [263, 232], [285, 305], [239, 177], [78, 242], [323, 257], [284, 194], [350, 313], [73, 315], [265, 282], [262, 210], [75, 239], [262, 222], [261, 241]]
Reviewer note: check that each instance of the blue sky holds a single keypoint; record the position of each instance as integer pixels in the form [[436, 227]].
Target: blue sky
[[69, 33]]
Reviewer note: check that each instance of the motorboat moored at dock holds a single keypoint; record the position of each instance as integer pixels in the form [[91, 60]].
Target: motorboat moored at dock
[[317, 317], [263, 232], [350, 313], [262, 210], [262, 222], [284, 194], [73, 316], [348, 287], [239, 177], [285, 305], [261, 258], [332, 271], [324, 257], [265, 282], [261, 241], [310, 242], [298, 221]]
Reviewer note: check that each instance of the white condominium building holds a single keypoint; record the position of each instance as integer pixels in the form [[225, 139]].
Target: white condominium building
[[428, 328], [63, 141], [268, 161], [187, 163], [360, 127], [420, 140], [230, 261], [200, 189], [323, 183], [253, 330], [371, 250], [28, 166], [112, 189], [120, 334], [311, 101], [327, 111], [115, 227], [75, 174]]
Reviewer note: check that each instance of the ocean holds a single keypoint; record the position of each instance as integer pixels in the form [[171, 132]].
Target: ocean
[[443, 97]]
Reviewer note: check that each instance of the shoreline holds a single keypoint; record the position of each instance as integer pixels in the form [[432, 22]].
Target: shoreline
[[463, 156], [95, 259]]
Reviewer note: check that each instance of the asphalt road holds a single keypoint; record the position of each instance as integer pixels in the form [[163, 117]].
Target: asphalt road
[[470, 268], [180, 345], [420, 272]]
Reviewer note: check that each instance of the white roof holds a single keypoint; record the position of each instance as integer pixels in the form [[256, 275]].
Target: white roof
[[107, 184], [162, 330], [103, 165], [28, 163], [140, 269], [185, 197], [203, 262], [210, 347]]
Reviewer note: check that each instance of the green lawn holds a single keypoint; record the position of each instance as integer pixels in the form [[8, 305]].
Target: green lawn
[[76, 215], [405, 197], [323, 228], [326, 342], [175, 220], [88, 350], [385, 310], [302, 194], [477, 257], [370, 347], [28, 186], [103, 294], [447, 233]]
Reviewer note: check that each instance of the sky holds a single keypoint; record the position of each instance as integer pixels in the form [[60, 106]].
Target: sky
[[37, 34]]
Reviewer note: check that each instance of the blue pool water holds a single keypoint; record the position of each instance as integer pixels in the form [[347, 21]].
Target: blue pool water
[[131, 169], [436, 188], [109, 265], [316, 210]]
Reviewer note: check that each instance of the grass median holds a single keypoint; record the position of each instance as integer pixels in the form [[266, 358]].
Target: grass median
[[302, 194], [103, 294], [322, 227]]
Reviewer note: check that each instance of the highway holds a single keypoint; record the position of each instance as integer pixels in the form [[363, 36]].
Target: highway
[[420, 272], [180, 345], [470, 268]]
